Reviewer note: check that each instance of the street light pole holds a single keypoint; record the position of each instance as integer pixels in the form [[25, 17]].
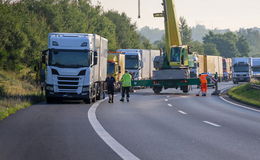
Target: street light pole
[[139, 9]]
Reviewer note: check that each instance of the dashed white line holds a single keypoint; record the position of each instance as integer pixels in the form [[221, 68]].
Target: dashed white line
[[212, 124], [107, 138], [166, 100], [170, 105], [182, 112]]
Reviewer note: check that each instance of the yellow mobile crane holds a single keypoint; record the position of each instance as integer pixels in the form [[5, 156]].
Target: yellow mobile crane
[[172, 68], [176, 53]]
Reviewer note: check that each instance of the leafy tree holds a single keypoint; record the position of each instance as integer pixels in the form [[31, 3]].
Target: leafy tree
[[185, 31], [243, 46], [25, 24], [226, 43], [196, 46], [211, 49]]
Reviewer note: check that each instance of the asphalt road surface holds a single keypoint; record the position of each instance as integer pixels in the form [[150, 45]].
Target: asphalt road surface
[[171, 125]]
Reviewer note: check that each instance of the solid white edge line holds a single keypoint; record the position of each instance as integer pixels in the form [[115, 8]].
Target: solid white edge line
[[106, 137], [213, 124], [239, 105], [182, 112]]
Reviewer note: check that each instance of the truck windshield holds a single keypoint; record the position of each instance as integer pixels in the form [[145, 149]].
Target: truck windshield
[[175, 54], [110, 68], [131, 62], [69, 58], [256, 69], [241, 68]]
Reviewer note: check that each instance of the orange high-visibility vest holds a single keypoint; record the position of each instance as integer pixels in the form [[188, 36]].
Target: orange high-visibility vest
[[203, 78]]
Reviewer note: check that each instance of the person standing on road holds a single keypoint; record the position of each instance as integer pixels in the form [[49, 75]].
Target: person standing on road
[[203, 84], [126, 84], [110, 80]]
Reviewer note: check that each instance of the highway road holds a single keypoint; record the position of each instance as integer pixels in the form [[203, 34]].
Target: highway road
[[171, 125]]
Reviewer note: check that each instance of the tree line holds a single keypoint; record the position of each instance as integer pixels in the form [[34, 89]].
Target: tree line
[[25, 24], [215, 42]]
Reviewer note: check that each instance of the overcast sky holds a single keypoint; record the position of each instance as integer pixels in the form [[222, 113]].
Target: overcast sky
[[221, 14]]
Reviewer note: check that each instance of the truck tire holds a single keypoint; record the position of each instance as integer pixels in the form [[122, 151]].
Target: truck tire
[[100, 93], [87, 101], [157, 89], [185, 89], [50, 100]]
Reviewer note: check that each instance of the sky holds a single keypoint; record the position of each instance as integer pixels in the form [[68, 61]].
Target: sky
[[220, 14]]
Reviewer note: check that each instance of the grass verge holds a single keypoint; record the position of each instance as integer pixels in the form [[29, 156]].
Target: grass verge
[[245, 94], [16, 94]]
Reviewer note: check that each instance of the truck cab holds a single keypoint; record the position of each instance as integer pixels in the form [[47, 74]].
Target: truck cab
[[256, 67], [73, 63], [133, 62], [116, 66], [241, 68]]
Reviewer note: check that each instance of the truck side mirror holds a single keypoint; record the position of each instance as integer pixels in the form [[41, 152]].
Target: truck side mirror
[[119, 69], [95, 58], [44, 59], [42, 75], [141, 64], [44, 53]]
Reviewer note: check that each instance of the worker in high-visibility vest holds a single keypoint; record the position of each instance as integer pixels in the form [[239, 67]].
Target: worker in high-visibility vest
[[203, 84], [126, 84]]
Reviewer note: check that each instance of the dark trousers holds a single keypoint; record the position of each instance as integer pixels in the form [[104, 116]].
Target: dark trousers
[[125, 90]]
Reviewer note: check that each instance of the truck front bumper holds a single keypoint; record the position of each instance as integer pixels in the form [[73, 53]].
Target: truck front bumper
[[241, 79], [67, 95]]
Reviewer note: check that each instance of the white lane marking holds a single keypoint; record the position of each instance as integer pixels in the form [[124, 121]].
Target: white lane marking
[[170, 105], [168, 96], [166, 100], [106, 137], [239, 105], [213, 124], [182, 112]]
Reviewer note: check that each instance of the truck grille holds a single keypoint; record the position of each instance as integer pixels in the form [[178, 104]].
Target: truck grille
[[68, 87], [68, 84], [68, 78]]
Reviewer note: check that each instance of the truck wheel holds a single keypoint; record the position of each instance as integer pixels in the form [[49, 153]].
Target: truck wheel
[[100, 93], [50, 100], [185, 89], [94, 99], [157, 89], [87, 101]]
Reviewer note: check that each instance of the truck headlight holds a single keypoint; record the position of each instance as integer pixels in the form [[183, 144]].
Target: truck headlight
[[49, 88], [85, 89]]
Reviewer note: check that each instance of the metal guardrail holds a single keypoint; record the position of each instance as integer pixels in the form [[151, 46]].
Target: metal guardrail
[[254, 86]]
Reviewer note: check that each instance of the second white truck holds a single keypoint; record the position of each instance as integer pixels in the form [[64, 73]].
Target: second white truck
[[139, 62]]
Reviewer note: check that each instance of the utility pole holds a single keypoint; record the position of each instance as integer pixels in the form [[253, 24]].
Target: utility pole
[[139, 9]]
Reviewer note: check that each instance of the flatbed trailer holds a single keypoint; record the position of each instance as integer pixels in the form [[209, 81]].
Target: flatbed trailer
[[158, 85]]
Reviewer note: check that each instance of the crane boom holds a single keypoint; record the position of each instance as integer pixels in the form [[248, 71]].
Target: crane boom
[[172, 25]]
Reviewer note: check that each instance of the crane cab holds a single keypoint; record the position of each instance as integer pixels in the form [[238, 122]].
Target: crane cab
[[179, 56]]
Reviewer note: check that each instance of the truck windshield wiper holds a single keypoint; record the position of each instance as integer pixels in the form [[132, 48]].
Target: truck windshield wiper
[[59, 65], [76, 66]]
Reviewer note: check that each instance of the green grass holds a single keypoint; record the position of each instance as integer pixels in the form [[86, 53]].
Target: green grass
[[245, 94], [16, 94]]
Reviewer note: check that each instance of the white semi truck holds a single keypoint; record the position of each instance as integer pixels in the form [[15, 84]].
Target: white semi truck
[[76, 65], [241, 69], [256, 67], [139, 62]]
